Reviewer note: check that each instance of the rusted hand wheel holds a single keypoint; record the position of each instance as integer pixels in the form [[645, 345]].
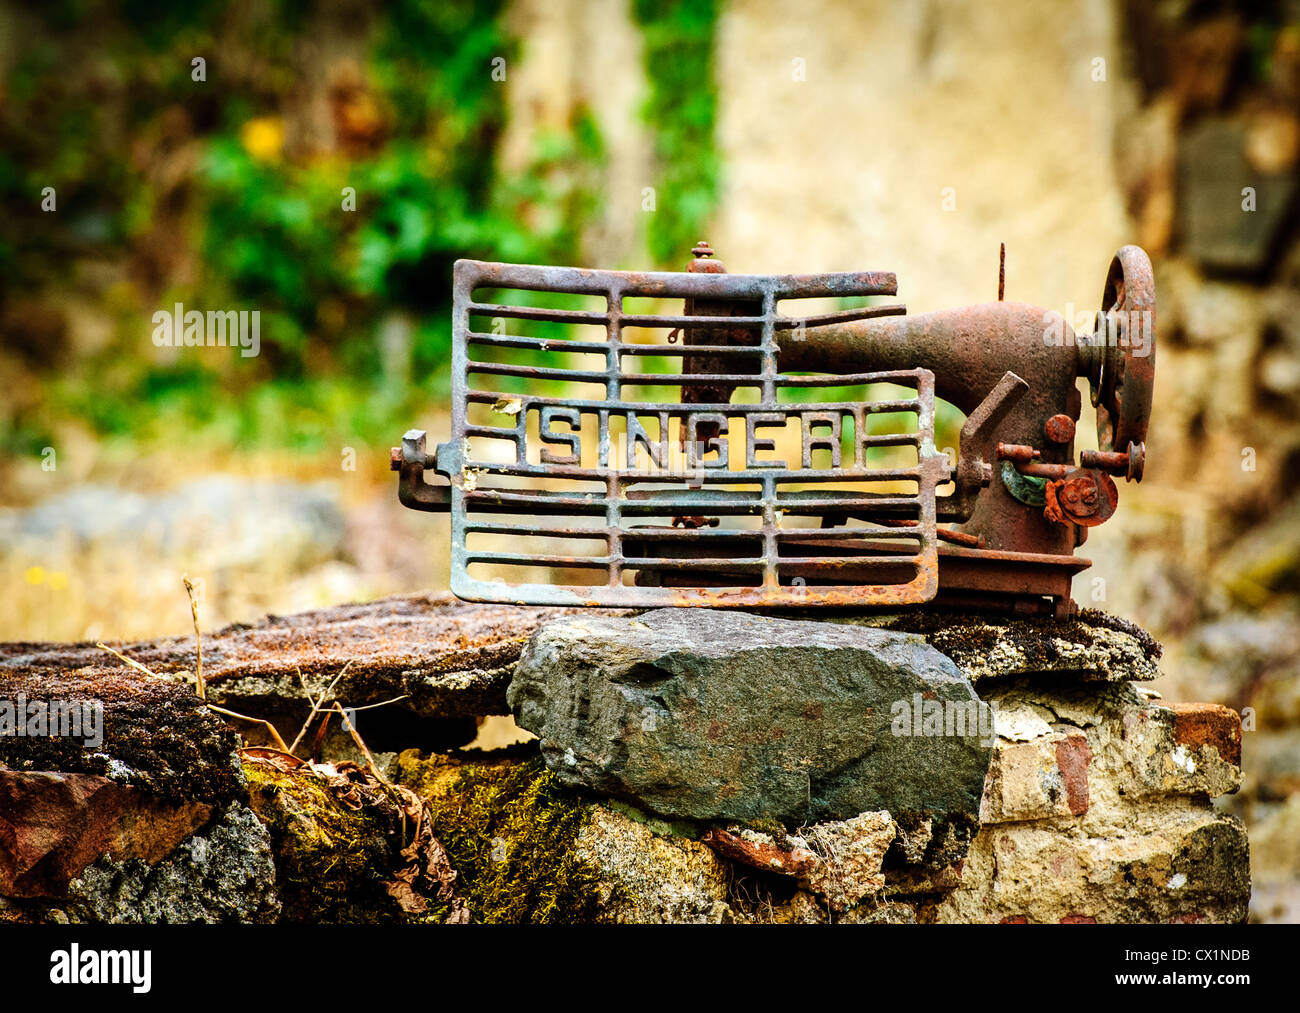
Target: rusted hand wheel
[[1125, 353]]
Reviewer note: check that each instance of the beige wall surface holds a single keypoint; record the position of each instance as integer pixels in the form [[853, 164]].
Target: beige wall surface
[[902, 106], [912, 137]]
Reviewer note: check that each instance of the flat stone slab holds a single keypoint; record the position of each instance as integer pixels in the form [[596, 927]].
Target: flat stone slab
[[451, 660], [1091, 647], [706, 715]]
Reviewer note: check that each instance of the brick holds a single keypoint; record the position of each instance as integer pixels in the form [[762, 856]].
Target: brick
[[1040, 779], [1208, 724], [1181, 749], [1072, 758]]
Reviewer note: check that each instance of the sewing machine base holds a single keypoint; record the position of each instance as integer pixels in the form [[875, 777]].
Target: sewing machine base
[[984, 580]]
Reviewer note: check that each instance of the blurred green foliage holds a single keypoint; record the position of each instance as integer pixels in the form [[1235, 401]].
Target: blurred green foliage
[[680, 110], [175, 190]]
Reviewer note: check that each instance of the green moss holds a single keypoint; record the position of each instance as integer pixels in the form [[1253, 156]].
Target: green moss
[[331, 862], [510, 831], [774, 829]]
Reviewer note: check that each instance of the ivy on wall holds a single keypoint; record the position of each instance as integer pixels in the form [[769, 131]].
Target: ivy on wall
[[680, 111], [205, 192]]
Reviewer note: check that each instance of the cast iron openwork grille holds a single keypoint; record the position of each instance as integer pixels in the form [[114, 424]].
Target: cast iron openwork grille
[[606, 455]]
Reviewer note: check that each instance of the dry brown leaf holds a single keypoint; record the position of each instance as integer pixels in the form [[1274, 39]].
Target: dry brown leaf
[[426, 869]]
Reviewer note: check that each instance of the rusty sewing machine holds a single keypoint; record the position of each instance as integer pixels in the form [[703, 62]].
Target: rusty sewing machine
[[798, 465]]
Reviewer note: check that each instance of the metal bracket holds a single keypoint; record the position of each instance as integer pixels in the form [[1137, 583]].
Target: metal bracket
[[411, 462], [973, 472]]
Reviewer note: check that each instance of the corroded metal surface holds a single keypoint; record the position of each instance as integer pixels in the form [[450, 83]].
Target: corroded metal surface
[[689, 461], [648, 471]]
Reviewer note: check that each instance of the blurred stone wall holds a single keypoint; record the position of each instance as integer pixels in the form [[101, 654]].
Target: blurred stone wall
[[585, 55], [915, 138], [1210, 560]]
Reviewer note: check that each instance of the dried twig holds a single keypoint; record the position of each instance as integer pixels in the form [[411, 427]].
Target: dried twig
[[134, 664], [310, 714], [382, 703], [275, 734], [198, 640], [316, 707], [317, 703], [401, 796], [356, 737]]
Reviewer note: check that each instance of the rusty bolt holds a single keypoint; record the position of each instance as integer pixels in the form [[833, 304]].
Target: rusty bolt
[[1017, 452], [705, 262], [1086, 497], [1059, 429], [1130, 464], [1079, 495]]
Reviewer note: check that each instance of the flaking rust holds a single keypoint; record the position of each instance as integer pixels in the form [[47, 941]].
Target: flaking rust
[[742, 453]]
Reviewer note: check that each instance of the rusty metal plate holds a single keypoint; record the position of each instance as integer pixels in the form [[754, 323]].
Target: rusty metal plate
[[584, 425]]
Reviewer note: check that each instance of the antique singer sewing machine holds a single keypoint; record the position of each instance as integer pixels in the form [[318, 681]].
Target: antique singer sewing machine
[[739, 453]]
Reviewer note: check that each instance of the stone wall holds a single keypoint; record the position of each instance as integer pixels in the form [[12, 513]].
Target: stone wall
[[1092, 806], [1206, 553], [693, 766]]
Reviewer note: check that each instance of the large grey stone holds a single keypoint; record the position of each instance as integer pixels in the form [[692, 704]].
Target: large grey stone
[[707, 715]]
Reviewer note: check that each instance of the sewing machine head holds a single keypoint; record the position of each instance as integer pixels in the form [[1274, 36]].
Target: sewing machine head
[[739, 453]]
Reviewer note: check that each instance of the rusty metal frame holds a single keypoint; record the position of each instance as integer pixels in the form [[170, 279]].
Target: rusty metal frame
[[907, 522]]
